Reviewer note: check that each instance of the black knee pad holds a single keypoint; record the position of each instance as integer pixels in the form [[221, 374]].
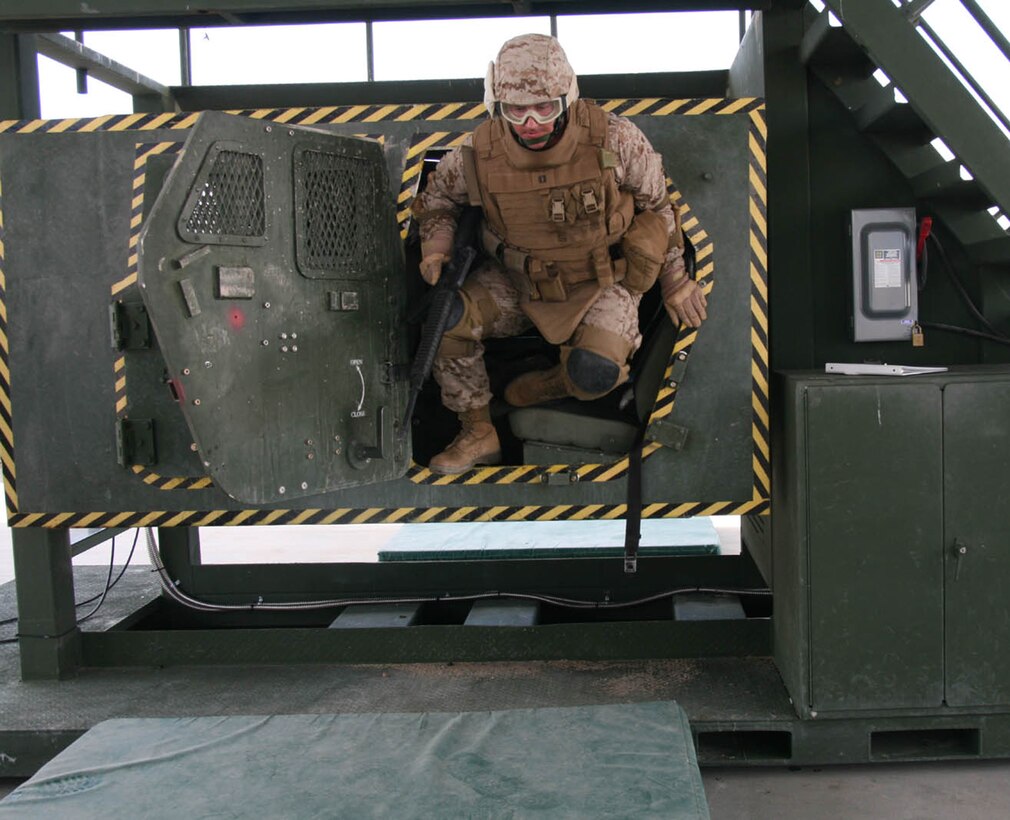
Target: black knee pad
[[591, 374]]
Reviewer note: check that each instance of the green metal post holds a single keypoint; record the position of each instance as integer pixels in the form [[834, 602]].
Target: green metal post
[[789, 229], [19, 77], [180, 553], [50, 641]]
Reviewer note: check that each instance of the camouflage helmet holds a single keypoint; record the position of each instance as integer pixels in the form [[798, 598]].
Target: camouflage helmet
[[530, 68]]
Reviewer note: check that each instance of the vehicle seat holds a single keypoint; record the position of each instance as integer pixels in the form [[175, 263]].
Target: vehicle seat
[[602, 431]]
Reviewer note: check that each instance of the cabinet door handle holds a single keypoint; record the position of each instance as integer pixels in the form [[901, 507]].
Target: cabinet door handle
[[960, 550]]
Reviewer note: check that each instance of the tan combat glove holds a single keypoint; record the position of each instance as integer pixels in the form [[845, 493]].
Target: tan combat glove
[[434, 254], [684, 300]]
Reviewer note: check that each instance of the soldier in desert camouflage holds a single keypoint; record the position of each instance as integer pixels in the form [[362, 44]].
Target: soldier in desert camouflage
[[578, 224]]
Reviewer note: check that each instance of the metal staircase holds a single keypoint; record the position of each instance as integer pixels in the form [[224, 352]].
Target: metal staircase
[[847, 42]]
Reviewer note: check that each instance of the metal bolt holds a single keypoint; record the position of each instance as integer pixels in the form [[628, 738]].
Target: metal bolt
[[708, 176], [266, 305], [282, 490], [308, 442], [813, 714], [310, 456], [294, 335], [284, 348], [185, 371], [305, 485], [206, 464], [268, 129], [265, 342], [208, 364], [337, 452], [284, 335], [294, 348], [673, 383], [291, 133], [682, 355], [193, 447], [196, 402]]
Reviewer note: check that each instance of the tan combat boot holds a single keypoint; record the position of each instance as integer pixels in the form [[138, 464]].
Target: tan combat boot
[[477, 443], [538, 386]]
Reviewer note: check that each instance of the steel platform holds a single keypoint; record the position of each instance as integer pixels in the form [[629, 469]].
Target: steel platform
[[739, 710]]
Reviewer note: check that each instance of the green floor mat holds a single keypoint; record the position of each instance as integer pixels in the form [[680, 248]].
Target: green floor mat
[[551, 539], [613, 761]]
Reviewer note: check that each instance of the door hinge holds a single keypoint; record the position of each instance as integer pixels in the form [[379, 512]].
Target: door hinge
[[135, 442], [131, 327], [561, 478], [665, 432]]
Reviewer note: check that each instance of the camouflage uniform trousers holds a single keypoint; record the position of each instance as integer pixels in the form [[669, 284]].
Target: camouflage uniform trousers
[[464, 380]]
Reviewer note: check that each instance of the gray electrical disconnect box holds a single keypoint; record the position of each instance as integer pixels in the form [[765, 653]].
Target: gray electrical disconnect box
[[885, 303]]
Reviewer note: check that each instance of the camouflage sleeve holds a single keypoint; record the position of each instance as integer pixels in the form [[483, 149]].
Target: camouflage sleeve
[[437, 207], [640, 171]]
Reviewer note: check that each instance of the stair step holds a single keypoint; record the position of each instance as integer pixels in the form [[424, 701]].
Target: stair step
[[910, 157], [990, 251], [944, 182], [974, 228], [882, 114], [830, 48]]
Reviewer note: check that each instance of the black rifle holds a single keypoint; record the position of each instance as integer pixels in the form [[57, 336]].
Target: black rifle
[[440, 307]]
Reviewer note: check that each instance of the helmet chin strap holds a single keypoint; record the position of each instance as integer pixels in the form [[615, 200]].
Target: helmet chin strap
[[548, 139]]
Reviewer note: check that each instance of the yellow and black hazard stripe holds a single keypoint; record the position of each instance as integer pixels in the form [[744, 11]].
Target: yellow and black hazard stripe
[[326, 115], [109, 122], [419, 147], [526, 474], [381, 515], [656, 107], [121, 286], [758, 204], [6, 422]]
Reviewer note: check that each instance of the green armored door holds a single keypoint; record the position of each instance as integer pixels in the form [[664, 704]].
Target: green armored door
[[272, 271]]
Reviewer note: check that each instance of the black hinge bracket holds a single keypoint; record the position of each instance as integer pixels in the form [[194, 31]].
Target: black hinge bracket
[[131, 327], [135, 442]]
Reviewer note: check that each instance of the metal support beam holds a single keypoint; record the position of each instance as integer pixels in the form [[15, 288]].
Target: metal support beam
[[19, 77], [185, 58], [180, 553], [932, 89], [79, 56], [57, 15], [789, 228], [49, 639]]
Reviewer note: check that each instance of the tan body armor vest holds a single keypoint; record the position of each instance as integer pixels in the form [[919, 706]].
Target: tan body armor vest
[[552, 216]]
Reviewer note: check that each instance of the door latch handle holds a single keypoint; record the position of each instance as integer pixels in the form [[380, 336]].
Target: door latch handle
[[960, 550], [360, 454]]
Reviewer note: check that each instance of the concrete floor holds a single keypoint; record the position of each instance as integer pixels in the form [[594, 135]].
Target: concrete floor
[[962, 790]]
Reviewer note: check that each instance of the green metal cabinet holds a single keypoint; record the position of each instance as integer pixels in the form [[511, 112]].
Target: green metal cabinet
[[891, 544]]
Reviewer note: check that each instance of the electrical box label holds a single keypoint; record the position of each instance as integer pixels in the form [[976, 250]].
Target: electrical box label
[[887, 268]]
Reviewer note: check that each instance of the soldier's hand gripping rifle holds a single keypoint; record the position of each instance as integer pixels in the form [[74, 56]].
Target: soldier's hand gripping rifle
[[440, 308]]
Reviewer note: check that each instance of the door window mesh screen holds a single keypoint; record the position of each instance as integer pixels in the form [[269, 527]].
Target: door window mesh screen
[[230, 201], [335, 219]]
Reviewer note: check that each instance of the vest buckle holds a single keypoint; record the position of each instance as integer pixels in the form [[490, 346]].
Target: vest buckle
[[558, 209], [589, 202]]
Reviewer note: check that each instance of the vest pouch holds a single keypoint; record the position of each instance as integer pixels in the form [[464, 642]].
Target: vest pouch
[[644, 249], [546, 281]]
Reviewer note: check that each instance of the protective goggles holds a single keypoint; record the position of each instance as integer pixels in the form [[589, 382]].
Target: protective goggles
[[543, 112]]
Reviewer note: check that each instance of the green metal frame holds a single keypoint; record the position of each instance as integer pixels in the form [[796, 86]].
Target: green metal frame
[[42, 15], [799, 116]]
